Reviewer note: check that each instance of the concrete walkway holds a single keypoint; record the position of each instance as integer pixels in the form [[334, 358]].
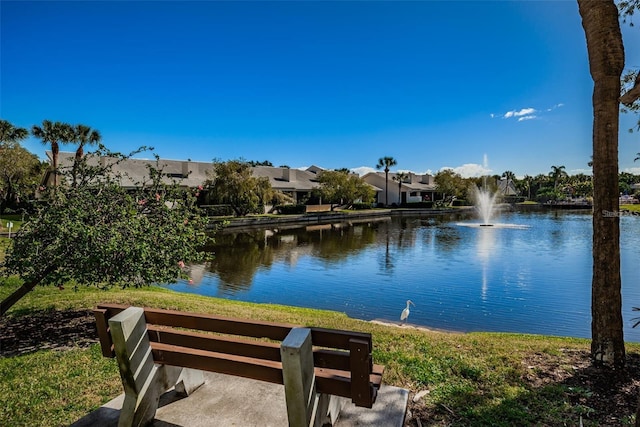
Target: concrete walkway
[[225, 401]]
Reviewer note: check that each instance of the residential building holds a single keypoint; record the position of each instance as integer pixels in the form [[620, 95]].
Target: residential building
[[133, 173], [296, 183], [506, 187], [415, 188]]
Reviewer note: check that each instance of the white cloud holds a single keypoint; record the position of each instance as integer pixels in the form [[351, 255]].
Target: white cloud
[[634, 170], [427, 172], [580, 170], [524, 114], [556, 106], [469, 170], [520, 113], [363, 170]]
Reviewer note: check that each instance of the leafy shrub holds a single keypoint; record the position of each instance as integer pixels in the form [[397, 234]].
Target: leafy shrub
[[360, 206], [217, 210], [514, 199], [425, 205], [292, 209]]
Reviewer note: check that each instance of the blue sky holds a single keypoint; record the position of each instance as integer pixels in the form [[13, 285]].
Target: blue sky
[[473, 86]]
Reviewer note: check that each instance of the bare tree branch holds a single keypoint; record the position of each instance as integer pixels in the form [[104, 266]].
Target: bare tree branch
[[632, 94]]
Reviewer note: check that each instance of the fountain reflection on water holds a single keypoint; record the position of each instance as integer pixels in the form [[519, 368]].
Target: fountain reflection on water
[[486, 206]]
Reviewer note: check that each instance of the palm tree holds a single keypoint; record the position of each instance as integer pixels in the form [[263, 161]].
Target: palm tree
[[53, 134], [510, 176], [11, 134], [557, 173], [386, 162], [84, 135], [527, 179], [637, 157], [400, 178]]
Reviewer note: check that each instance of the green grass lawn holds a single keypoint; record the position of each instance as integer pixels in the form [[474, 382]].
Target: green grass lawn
[[631, 208], [4, 243], [16, 220], [473, 379]]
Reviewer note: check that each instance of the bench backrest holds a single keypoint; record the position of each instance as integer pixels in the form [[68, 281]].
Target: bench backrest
[[342, 359]]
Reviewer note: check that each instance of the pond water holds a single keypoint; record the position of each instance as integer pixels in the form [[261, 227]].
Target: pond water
[[531, 276]]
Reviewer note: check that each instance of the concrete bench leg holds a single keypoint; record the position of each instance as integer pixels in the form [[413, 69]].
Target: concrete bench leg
[[331, 406], [143, 381], [305, 407], [188, 381]]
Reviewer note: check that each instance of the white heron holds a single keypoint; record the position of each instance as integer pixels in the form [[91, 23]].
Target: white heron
[[405, 312]]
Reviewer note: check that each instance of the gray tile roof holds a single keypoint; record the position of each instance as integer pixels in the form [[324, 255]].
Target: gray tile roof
[[192, 174], [412, 183], [285, 179], [134, 172]]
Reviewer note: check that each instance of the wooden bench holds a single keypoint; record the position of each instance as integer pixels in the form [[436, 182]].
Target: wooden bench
[[159, 349]]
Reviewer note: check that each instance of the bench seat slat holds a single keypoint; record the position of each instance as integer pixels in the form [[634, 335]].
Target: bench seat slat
[[210, 323], [336, 338], [338, 383], [203, 322], [333, 359], [375, 378], [322, 337], [208, 342], [102, 324], [323, 358], [247, 367]]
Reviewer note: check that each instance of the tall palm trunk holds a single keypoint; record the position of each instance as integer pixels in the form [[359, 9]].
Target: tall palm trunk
[[606, 62], [55, 153], [386, 187]]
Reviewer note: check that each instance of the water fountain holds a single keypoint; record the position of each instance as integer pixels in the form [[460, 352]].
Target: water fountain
[[485, 205]]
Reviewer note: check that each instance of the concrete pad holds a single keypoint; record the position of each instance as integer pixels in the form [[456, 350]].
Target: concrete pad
[[227, 401], [388, 411]]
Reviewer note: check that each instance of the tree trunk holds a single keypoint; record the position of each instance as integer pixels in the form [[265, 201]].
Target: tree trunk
[[386, 188], [9, 301], [606, 62], [54, 160], [633, 94]]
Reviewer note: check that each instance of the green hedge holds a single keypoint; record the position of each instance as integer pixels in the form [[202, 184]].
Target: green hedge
[[292, 209], [427, 205], [514, 199], [361, 206], [217, 210]]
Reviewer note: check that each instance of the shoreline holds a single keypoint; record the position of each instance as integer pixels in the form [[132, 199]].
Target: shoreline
[[333, 217], [413, 326]]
